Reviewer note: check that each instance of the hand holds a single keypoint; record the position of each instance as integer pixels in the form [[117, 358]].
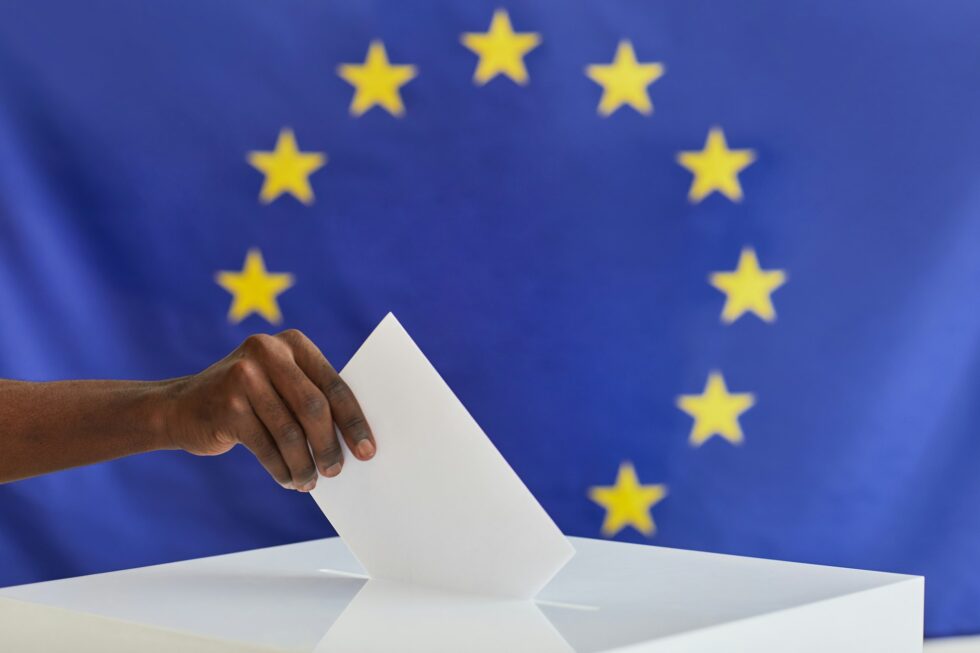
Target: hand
[[278, 396]]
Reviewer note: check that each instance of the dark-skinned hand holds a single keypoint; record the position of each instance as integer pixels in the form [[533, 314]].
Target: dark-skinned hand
[[279, 397]]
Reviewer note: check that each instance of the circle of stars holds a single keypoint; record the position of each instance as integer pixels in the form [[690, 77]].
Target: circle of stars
[[625, 83]]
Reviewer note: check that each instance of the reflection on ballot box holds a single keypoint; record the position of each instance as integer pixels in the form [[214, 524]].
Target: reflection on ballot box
[[392, 616], [314, 597]]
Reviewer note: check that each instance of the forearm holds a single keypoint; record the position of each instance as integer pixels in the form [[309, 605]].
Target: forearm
[[276, 395], [45, 427]]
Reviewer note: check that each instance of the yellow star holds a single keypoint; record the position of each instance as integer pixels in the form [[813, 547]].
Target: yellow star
[[625, 81], [376, 82], [286, 169], [748, 288], [716, 167], [628, 503], [501, 50], [716, 412], [254, 290]]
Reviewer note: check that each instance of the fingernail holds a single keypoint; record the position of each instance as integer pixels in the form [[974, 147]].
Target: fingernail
[[308, 486], [332, 471], [365, 449]]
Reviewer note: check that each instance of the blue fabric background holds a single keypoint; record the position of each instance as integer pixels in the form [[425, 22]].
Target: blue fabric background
[[547, 260]]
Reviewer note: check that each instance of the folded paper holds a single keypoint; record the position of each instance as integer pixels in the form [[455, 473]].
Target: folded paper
[[438, 505]]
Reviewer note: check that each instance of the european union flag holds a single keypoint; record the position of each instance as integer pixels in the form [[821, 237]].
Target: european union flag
[[705, 272]]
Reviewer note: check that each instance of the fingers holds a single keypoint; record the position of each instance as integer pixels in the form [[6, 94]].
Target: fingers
[[279, 421], [296, 397], [262, 445], [309, 406], [250, 430], [343, 405]]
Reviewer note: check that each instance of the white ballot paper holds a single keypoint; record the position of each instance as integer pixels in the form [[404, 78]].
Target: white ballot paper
[[437, 505]]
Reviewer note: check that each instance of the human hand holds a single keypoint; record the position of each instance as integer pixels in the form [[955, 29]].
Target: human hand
[[278, 396]]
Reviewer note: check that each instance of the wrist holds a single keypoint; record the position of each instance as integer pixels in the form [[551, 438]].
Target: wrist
[[159, 413]]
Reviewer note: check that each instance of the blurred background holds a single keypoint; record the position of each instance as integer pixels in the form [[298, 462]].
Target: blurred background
[[720, 259]]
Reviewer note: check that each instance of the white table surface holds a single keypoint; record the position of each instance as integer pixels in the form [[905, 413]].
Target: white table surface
[[312, 596], [953, 645]]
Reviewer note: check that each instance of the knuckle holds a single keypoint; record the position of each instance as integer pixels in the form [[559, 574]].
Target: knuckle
[[264, 449], [242, 371], [313, 405], [355, 422], [256, 343], [329, 453], [291, 336], [237, 405], [337, 389], [291, 434]]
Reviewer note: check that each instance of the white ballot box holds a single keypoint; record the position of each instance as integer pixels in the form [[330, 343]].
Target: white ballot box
[[313, 597]]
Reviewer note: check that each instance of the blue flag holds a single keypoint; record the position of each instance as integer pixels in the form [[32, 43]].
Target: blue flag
[[705, 272]]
